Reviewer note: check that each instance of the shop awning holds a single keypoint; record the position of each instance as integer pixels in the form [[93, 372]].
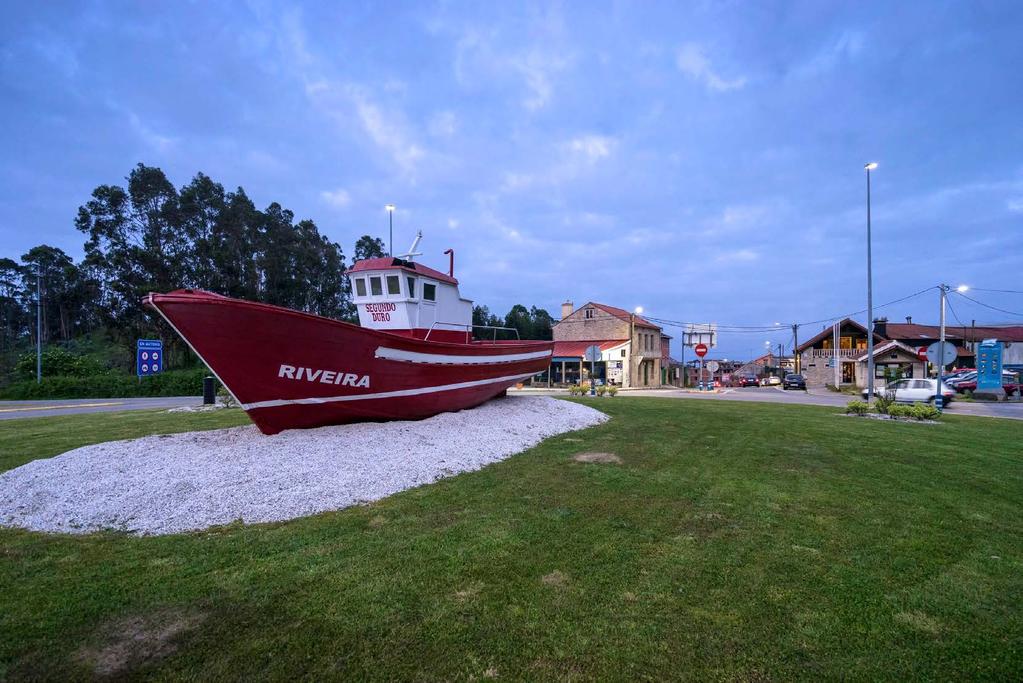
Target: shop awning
[[572, 351]]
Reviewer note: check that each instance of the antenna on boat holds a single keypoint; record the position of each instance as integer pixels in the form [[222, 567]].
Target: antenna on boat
[[412, 250]]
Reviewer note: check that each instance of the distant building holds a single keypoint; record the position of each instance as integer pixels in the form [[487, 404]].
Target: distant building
[[632, 348]]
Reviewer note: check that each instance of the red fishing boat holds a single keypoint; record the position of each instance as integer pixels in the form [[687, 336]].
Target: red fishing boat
[[412, 355]]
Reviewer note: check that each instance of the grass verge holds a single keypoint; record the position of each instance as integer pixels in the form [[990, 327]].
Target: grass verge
[[734, 541]]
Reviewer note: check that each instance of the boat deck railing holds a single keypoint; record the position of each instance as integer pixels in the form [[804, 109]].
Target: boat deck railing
[[469, 328]]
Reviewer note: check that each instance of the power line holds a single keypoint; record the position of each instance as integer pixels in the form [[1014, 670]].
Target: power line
[[993, 308], [849, 315], [1000, 291]]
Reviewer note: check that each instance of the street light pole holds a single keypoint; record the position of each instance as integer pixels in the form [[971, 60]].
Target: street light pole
[[39, 325], [870, 296], [939, 399], [390, 224]]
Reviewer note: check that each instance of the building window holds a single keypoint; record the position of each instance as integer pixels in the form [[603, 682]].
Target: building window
[[429, 291], [375, 286], [623, 353], [360, 286], [412, 288], [589, 312], [393, 284]]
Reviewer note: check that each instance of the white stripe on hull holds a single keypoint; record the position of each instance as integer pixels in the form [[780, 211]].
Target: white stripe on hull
[[456, 359], [384, 394]]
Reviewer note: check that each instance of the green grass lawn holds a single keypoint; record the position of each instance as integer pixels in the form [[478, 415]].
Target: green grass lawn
[[736, 541]]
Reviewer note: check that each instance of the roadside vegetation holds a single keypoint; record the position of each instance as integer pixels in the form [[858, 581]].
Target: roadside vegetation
[[731, 542]]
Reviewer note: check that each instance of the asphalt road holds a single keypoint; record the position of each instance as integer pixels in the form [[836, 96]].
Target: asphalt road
[[12, 410], [1012, 410]]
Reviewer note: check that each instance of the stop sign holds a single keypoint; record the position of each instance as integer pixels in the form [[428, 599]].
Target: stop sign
[[701, 350], [921, 353]]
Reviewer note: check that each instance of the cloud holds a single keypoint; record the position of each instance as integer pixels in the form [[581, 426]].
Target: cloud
[[479, 60], [691, 60], [156, 141], [1015, 205], [385, 128], [338, 198], [738, 256], [845, 48], [443, 124], [592, 148]]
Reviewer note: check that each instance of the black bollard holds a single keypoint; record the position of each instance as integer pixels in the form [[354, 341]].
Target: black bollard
[[209, 391]]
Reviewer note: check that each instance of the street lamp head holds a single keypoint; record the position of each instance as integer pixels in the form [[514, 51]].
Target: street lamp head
[[638, 310], [871, 166], [962, 288], [390, 208]]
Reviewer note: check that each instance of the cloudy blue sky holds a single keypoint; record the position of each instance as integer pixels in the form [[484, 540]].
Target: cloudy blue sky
[[703, 160]]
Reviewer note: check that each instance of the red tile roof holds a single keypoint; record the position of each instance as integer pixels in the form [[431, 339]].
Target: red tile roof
[[576, 349], [622, 314], [913, 331], [388, 263]]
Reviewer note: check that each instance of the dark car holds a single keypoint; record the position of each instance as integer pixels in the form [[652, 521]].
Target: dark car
[[748, 381], [794, 382]]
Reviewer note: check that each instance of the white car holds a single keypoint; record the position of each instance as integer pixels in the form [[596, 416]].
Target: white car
[[915, 391], [771, 381]]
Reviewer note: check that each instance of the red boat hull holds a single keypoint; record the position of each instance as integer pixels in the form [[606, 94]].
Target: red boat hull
[[291, 370]]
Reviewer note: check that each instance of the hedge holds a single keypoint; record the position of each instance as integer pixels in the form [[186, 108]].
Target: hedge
[[109, 385]]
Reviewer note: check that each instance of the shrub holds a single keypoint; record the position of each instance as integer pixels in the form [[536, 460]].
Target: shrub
[[899, 410], [883, 403], [601, 390], [612, 390], [857, 408], [109, 385], [573, 390], [225, 398], [925, 411], [57, 362]]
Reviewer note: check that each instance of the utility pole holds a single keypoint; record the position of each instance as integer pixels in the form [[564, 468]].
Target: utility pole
[[781, 355], [39, 324], [870, 297], [795, 345], [939, 400]]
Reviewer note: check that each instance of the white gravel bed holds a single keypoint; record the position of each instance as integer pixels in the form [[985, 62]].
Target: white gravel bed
[[183, 482]]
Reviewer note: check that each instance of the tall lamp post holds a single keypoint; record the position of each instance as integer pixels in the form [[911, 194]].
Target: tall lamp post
[[39, 324], [390, 224], [939, 399], [870, 296]]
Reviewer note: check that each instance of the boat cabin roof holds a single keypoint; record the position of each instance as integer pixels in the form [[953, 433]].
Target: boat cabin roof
[[391, 263]]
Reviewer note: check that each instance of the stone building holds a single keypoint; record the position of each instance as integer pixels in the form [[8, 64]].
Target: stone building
[[632, 348]]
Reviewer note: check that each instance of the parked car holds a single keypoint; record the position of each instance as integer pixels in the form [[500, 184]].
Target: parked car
[[748, 381], [955, 380], [1010, 383], [794, 381], [916, 391], [771, 381]]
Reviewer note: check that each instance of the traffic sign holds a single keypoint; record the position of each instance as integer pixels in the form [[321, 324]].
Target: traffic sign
[[941, 353], [921, 353], [713, 366], [700, 350], [148, 357], [592, 354]]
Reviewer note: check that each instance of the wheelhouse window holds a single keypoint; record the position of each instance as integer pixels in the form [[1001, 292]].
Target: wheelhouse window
[[360, 286], [412, 288], [429, 291], [393, 284], [375, 286]]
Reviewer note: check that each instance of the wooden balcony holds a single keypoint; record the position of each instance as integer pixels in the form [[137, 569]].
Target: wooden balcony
[[846, 354]]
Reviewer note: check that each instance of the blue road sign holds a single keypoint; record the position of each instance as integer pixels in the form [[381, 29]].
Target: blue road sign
[[148, 357]]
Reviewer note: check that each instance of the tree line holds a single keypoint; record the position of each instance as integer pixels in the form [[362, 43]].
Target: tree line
[[150, 236]]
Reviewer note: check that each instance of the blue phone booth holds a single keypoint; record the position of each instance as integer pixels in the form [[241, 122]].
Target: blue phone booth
[[989, 368]]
